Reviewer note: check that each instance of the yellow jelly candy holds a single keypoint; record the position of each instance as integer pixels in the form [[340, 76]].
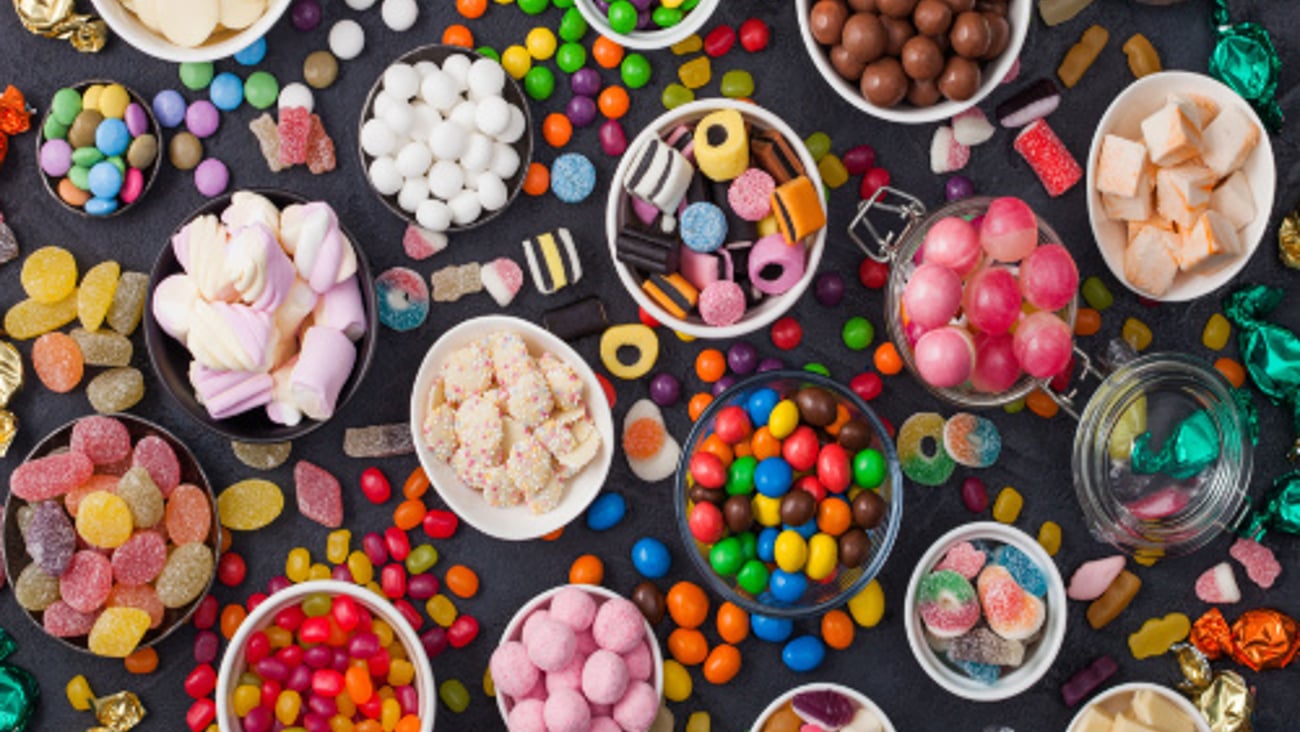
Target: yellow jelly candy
[[1049, 537], [540, 43], [1217, 330], [361, 568], [695, 73], [823, 557], [688, 45], [767, 226], [1136, 334], [319, 571], [868, 607], [30, 318], [699, 722], [1007, 507], [337, 546], [49, 275], [833, 172], [104, 520], [383, 631], [783, 419], [246, 698], [297, 565], [117, 631], [79, 693], [96, 294], [400, 672], [250, 504], [489, 686], [1148, 557], [516, 61], [1157, 634], [441, 609], [677, 682], [1130, 424]]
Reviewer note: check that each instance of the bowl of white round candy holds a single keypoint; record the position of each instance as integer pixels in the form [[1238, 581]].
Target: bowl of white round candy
[[446, 138]]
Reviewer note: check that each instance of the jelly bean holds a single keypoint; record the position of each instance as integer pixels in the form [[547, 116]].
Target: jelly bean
[[338, 545], [1042, 404], [873, 181], [974, 495], [699, 722], [1049, 537], [375, 486], [297, 564], [79, 693], [857, 333], [786, 333], [754, 35], [1136, 333], [1217, 330], [1007, 506], [770, 629], [462, 581], [737, 84], [1232, 371], [231, 569], [677, 681], [1087, 322], [753, 576], [887, 360], [454, 694], [1096, 294], [1114, 600], [868, 606], [409, 514], [441, 610], [719, 41], [142, 661], [421, 559], [818, 145], [587, 569], [439, 524], [722, 664], [463, 631], [675, 95], [200, 714], [201, 681], [688, 646], [651, 558]]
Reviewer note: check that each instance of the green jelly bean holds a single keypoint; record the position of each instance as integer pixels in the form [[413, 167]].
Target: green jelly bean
[[740, 476], [533, 7], [66, 105], [1097, 294], [622, 16], [488, 52], [572, 26], [817, 368], [80, 177], [689, 5], [54, 129], [818, 144], [737, 84], [86, 157], [869, 468], [570, 57], [858, 333], [675, 95], [666, 17], [261, 90], [196, 75], [316, 605], [248, 678], [421, 559], [539, 82], [748, 545], [454, 694], [752, 577], [1014, 407], [635, 70], [726, 557]]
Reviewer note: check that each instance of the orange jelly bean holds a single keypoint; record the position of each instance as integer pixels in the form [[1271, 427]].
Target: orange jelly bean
[[417, 483], [607, 52], [557, 129], [613, 102], [837, 629], [409, 514], [887, 360], [1232, 371], [471, 8], [698, 404], [461, 581], [1087, 322], [1040, 403], [722, 664], [142, 661], [553, 535], [688, 646], [587, 570], [688, 605], [537, 180], [733, 623], [710, 364], [357, 680], [231, 618]]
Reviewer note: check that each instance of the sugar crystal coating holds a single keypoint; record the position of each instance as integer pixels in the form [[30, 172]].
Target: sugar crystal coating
[[84, 585], [103, 347], [384, 440], [142, 497], [57, 361], [185, 576], [104, 520], [35, 590], [141, 597], [50, 476], [188, 515], [261, 456], [102, 439], [50, 538], [95, 296], [118, 631], [158, 458], [140, 559], [30, 318], [250, 504], [320, 497], [128, 302], [62, 621], [116, 390]]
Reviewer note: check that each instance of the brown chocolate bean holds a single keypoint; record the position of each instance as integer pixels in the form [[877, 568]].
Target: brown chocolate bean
[[855, 436], [650, 601], [899, 30], [798, 507], [896, 8], [738, 512], [826, 21], [854, 548], [922, 58], [932, 17], [960, 79], [1000, 32], [816, 406], [864, 37], [869, 510], [846, 64], [971, 35], [883, 82]]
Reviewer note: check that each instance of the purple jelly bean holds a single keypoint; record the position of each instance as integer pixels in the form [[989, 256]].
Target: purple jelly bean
[[277, 583], [408, 697], [434, 641], [641, 4], [258, 719], [1086, 681], [828, 288], [665, 389], [974, 495], [375, 548], [859, 160], [341, 573], [742, 358], [306, 15], [271, 668], [299, 679], [318, 657], [206, 646], [585, 82], [363, 645], [422, 586], [770, 364], [723, 384], [341, 659], [316, 723], [643, 19], [958, 187], [322, 705], [581, 111], [613, 140]]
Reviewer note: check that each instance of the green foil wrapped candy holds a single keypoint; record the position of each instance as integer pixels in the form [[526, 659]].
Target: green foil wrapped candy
[[1244, 58], [1270, 353], [19, 693], [1280, 510], [1190, 448]]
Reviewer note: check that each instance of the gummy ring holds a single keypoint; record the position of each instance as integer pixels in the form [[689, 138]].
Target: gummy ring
[[773, 251], [972, 441], [933, 469], [635, 336]]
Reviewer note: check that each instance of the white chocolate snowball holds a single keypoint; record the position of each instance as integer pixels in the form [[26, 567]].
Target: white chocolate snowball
[[492, 115], [457, 67], [448, 140], [471, 180], [402, 81], [477, 154], [426, 118], [446, 179], [239, 14], [399, 15], [505, 161], [384, 103], [297, 95], [185, 25], [515, 127], [399, 118], [360, 4], [439, 90], [384, 176], [347, 39], [414, 159], [415, 191], [465, 208], [492, 193], [377, 139], [425, 67], [465, 114], [434, 215], [486, 79]]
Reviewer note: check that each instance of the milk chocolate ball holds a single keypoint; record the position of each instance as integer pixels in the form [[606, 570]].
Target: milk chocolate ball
[[855, 436], [899, 29], [798, 507], [854, 548], [932, 17], [827, 21], [922, 58], [863, 6], [997, 7], [883, 82], [816, 405], [923, 93], [864, 37], [868, 509], [650, 601], [971, 35], [896, 8], [960, 6], [960, 79], [738, 512], [846, 64], [1000, 30]]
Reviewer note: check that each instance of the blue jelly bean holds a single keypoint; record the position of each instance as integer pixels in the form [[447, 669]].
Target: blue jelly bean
[[169, 107], [112, 137], [772, 630], [101, 206], [252, 54], [806, 530], [1024, 570], [105, 180], [651, 558], [803, 654], [403, 298], [573, 177], [773, 476], [606, 512], [767, 543], [703, 227], [984, 673], [226, 92], [760, 405], [787, 587]]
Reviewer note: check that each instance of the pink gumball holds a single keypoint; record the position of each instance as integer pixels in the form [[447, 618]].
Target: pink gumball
[[1048, 277], [1043, 344], [996, 368], [992, 300], [1009, 231], [953, 243], [932, 296], [945, 356], [914, 332]]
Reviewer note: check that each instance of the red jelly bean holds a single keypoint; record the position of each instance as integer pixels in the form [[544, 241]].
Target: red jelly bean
[[787, 333], [810, 485], [373, 706], [408, 611], [290, 656], [257, 647], [277, 583], [290, 618], [392, 580], [205, 616], [872, 274], [344, 611], [422, 586], [463, 631], [647, 319], [439, 524], [705, 523], [732, 424], [375, 548], [874, 180], [867, 385], [206, 647], [434, 641], [800, 448], [255, 599], [719, 41], [270, 692], [399, 547], [375, 486], [754, 35], [327, 682], [833, 468], [974, 495], [315, 630], [707, 470], [858, 160], [379, 663], [201, 681], [200, 715], [231, 569]]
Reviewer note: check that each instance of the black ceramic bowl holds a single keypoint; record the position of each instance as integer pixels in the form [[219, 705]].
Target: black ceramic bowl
[[437, 53], [16, 556], [171, 360]]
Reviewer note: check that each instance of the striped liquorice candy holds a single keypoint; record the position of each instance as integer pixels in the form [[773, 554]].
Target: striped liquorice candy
[[673, 293], [553, 260]]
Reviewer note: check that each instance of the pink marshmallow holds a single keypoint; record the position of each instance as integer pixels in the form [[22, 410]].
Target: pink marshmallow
[[340, 308], [569, 677], [173, 301], [258, 268], [586, 643], [538, 692], [566, 711], [551, 645], [640, 663], [619, 626], [1091, 579], [512, 672], [637, 710], [531, 622], [602, 724], [574, 608], [227, 393], [604, 677], [324, 364], [527, 716], [322, 255], [229, 337]]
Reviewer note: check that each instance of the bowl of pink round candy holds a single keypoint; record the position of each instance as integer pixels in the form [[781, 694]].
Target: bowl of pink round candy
[[578, 657], [981, 301]]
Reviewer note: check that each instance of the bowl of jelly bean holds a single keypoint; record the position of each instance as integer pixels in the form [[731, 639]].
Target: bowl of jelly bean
[[172, 360], [136, 500], [647, 24], [333, 654], [985, 611], [99, 148], [152, 40], [1151, 705], [822, 705], [788, 494]]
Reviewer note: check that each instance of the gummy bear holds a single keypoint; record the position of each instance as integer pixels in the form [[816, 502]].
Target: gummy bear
[[95, 295]]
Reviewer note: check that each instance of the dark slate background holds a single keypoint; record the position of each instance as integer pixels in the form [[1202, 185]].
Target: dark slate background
[[1036, 460]]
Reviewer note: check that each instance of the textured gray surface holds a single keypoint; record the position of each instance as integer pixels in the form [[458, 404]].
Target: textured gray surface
[[1036, 460]]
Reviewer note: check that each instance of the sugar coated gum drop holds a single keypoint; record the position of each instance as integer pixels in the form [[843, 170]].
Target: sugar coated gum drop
[[185, 576], [157, 457], [1009, 231], [95, 296], [35, 590], [320, 497], [103, 347], [118, 631], [30, 318], [140, 559], [104, 520], [51, 540], [116, 390], [261, 456], [142, 497], [932, 296], [141, 597], [86, 582], [49, 275], [250, 504], [57, 361], [50, 476], [102, 439], [128, 302]]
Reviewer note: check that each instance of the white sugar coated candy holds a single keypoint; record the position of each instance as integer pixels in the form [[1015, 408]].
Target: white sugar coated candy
[[505, 161], [384, 103], [425, 67], [457, 67], [465, 207], [486, 79], [414, 192], [446, 179], [439, 90], [297, 95], [399, 15], [347, 40], [402, 81], [471, 180], [515, 127], [425, 119], [414, 159], [492, 115], [465, 114], [477, 154], [434, 215], [377, 139], [360, 4], [399, 117], [384, 176], [448, 140], [492, 193]]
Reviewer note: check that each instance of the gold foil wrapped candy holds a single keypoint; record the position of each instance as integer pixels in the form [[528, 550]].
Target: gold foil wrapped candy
[[1223, 698], [59, 19], [117, 712], [11, 380], [1288, 240]]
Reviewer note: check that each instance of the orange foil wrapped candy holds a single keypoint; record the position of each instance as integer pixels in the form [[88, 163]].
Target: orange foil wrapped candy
[[1259, 639]]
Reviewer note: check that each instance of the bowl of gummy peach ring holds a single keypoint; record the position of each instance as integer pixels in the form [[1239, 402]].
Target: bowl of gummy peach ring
[[196, 30], [822, 706], [337, 625], [985, 611], [111, 534], [715, 220]]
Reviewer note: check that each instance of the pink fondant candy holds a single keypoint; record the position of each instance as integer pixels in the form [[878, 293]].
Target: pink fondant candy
[[640, 663], [550, 645], [619, 626], [964, 559], [324, 364], [703, 269], [102, 439], [601, 724], [586, 643], [637, 710], [945, 356], [1010, 611], [527, 716], [1218, 585], [574, 608], [1261, 566], [50, 476], [645, 211], [1091, 579], [604, 677], [502, 278], [531, 622], [566, 711], [1158, 505], [512, 672], [750, 194], [722, 303], [569, 677], [420, 243]]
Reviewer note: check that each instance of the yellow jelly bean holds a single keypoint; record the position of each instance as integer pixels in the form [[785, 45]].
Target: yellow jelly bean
[[767, 510], [516, 61], [278, 637], [489, 686], [1049, 537], [337, 546], [823, 556], [347, 707], [340, 723], [783, 420], [389, 713], [684, 337], [319, 571], [1007, 507], [1136, 334], [868, 607], [442, 610], [383, 631], [833, 172], [672, 3], [688, 45], [287, 706], [1157, 634], [699, 722], [79, 693], [1148, 557], [695, 73], [400, 672], [791, 551], [677, 682], [297, 566], [540, 43], [246, 698], [360, 567], [1217, 330]]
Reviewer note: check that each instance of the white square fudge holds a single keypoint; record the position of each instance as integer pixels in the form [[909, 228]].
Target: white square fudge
[[1183, 192], [1212, 235], [1149, 261], [1170, 136], [1120, 166]]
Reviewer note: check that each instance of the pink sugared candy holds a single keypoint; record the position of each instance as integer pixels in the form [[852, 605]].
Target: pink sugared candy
[[1161, 504], [991, 300], [574, 608], [1049, 277], [569, 677], [159, 459], [1091, 579], [1261, 566], [320, 497], [527, 716], [1011, 612], [1009, 231], [964, 559], [1218, 585], [62, 621], [996, 368], [604, 677], [140, 559], [1043, 344], [566, 711], [619, 626], [50, 476], [86, 582], [954, 243], [102, 439], [640, 663], [932, 296], [550, 644], [638, 707], [512, 672], [945, 356]]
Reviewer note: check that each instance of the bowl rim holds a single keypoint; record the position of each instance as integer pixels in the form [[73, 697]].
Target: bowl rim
[[525, 145], [597, 406], [46, 446], [878, 558], [1165, 692], [515, 627], [154, 128], [1019, 15], [159, 343], [614, 213], [650, 40], [1038, 664], [425, 680], [124, 23], [1097, 220], [862, 699]]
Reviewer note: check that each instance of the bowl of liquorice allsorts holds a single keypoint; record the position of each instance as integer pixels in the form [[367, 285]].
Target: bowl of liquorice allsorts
[[985, 611], [822, 706], [647, 24], [788, 494], [716, 220], [99, 148]]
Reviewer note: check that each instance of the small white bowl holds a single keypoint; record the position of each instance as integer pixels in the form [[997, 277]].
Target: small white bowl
[[1019, 15], [516, 523], [773, 306], [232, 665], [853, 694], [1124, 117], [1118, 698], [125, 23], [649, 40], [1037, 660], [515, 628]]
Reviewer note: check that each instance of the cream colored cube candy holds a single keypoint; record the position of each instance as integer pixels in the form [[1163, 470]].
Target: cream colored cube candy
[[1135, 226], [1156, 711], [1126, 723], [1212, 235], [1183, 192], [1199, 109], [1138, 207], [1120, 166], [1094, 720], [1234, 199], [1150, 262], [1170, 136], [1228, 141]]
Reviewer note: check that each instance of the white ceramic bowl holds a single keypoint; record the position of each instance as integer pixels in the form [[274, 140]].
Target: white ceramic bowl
[[1037, 660], [649, 40], [1124, 117], [1118, 698], [772, 307], [232, 665], [125, 24], [515, 628], [853, 694], [1019, 14], [516, 523]]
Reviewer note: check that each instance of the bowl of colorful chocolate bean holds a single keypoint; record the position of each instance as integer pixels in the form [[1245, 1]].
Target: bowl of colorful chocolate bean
[[647, 24], [788, 495], [195, 30], [111, 534], [822, 706], [578, 657], [914, 61], [262, 315], [985, 611], [445, 138], [716, 220], [336, 651], [98, 148], [1139, 706]]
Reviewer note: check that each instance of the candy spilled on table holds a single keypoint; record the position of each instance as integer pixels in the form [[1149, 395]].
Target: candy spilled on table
[[19, 692], [59, 19], [1222, 696], [1244, 58], [1259, 639], [1270, 352]]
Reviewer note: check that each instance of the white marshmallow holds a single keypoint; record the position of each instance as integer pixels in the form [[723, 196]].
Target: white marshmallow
[[446, 179], [465, 207], [1234, 199], [434, 215], [402, 81]]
